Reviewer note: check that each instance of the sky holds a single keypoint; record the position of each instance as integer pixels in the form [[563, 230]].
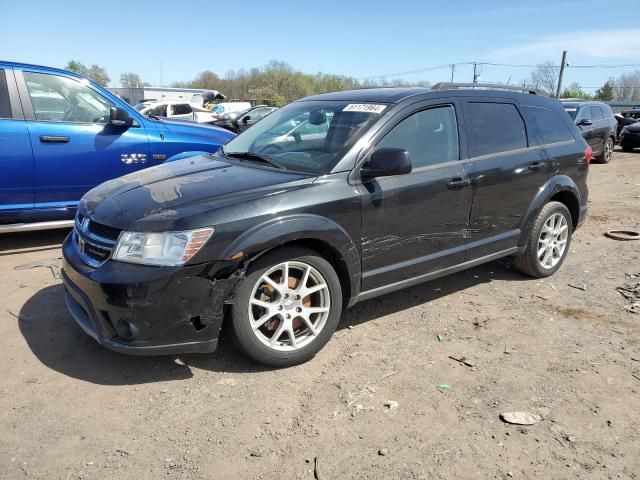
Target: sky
[[357, 38]]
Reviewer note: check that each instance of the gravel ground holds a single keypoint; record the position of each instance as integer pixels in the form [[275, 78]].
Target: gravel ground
[[71, 409]]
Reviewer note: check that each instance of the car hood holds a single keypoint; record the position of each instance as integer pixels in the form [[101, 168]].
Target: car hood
[[178, 195], [187, 127], [633, 128]]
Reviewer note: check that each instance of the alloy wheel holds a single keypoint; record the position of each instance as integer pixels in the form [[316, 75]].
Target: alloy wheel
[[289, 306], [608, 150], [552, 241]]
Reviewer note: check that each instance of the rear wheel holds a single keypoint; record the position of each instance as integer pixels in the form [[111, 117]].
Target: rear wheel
[[607, 152], [287, 307], [548, 242]]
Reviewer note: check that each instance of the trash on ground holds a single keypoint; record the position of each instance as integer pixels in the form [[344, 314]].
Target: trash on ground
[[520, 418], [439, 337], [444, 387], [462, 360], [631, 292], [52, 264], [391, 404], [622, 235], [578, 286]]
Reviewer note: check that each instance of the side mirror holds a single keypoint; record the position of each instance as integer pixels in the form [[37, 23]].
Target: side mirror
[[246, 119], [387, 162], [585, 122], [119, 117]]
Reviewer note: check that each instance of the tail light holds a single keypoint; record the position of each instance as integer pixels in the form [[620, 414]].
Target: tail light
[[588, 154]]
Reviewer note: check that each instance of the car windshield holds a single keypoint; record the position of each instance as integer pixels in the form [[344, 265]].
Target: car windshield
[[307, 136], [572, 111]]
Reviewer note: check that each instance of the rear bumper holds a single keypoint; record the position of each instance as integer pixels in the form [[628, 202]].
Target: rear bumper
[[142, 310]]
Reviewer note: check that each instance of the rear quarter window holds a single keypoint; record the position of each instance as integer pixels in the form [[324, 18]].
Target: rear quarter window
[[494, 128], [5, 105], [546, 126]]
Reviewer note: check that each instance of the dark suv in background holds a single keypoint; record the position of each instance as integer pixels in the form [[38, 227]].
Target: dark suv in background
[[392, 187], [598, 125]]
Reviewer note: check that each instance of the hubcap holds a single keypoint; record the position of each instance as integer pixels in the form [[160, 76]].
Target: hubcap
[[608, 150], [553, 240], [289, 306]]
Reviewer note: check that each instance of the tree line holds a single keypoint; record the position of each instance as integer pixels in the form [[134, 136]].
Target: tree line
[[278, 83]]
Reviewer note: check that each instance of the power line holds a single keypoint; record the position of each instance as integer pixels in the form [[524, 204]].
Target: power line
[[511, 65]]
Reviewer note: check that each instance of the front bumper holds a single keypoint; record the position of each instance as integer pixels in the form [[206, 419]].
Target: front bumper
[[142, 310]]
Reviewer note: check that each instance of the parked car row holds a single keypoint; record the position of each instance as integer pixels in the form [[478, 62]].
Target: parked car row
[[598, 126]]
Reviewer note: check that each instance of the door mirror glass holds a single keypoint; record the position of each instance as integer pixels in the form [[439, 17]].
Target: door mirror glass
[[119, 117], [386, 162], [246, 119]]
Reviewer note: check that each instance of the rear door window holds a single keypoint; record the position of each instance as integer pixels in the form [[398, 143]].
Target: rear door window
[[5, 104], [494, 128], [546, 126], [181, 109]]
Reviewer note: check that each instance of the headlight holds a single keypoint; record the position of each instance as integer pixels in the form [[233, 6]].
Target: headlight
[[164, 249]]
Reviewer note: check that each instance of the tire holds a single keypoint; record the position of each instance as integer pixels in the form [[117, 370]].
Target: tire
[[530, 262], [607, 152], [273, 307]]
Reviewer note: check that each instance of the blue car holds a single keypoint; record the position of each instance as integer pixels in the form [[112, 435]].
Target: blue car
[[61, 135]]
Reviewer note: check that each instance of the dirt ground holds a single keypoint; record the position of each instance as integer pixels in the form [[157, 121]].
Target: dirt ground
[[72, 409]]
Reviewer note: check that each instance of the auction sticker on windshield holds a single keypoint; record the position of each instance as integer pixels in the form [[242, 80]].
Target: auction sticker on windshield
[[364, 107]]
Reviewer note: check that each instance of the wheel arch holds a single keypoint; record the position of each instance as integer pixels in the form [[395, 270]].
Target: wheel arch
[[560, 188], [314, 232]]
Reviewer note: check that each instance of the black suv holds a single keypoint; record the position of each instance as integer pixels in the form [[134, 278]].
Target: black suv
[[598, 125], [384, 189]]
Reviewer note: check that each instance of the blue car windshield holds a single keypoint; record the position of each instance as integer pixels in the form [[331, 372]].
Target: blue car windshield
[[308, 136]]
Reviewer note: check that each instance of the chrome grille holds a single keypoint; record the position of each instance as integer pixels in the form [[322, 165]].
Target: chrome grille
[[94, 241]]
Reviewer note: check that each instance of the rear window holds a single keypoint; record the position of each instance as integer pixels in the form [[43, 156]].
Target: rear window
[[494, 128], [5, 105], [596, 113], [547, 126]]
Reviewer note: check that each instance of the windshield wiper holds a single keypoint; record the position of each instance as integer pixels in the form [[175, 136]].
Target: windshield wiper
[[254, 157], [155, 117]]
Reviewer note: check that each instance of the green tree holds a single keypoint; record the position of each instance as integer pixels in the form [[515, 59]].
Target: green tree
[[574, 90], [96, 73], [605, 93]]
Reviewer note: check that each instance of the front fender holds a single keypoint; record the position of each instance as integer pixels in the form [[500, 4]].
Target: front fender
[[301, 227], [553, 186]]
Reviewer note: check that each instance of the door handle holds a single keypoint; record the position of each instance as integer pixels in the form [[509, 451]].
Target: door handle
[[458, 183], [536, 166], [53, 139]]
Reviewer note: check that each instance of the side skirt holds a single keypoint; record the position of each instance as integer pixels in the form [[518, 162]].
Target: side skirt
[[376, 292]]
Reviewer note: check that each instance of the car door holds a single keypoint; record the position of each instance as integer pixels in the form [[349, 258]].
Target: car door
[[16, 156], [584, 121], [74, 146], [600, 126], [415, 224], [505, 172]]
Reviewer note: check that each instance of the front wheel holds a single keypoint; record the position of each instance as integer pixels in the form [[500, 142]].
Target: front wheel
[[287, 307], [548, 242]]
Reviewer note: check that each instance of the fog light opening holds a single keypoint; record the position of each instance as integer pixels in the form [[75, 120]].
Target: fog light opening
[[125, 329]]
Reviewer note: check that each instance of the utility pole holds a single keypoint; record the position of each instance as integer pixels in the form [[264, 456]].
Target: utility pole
[[453, 69], [475, 76], [564, 62], [161, 72]]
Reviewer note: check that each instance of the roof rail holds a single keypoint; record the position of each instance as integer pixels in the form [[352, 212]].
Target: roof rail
[[491, 86]]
